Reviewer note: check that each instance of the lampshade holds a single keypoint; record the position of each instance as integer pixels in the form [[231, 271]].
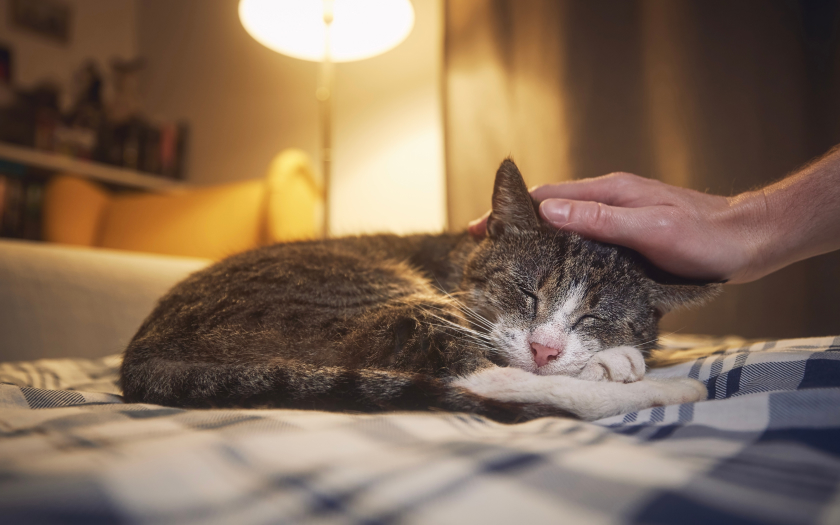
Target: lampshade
[[360, 28]]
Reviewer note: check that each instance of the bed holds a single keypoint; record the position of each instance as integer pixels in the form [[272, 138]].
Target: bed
[[763, 448]]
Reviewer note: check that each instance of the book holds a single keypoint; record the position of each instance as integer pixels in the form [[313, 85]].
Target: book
[[21, 202], [32, 209], [13, 208], [2, 199]]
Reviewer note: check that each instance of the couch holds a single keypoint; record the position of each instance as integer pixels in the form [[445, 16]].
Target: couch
[[763, 448]]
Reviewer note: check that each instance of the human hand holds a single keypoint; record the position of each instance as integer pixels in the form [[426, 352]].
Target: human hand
[[685, 232]]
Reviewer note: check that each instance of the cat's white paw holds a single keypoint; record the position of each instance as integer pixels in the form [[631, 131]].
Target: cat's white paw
[[612, 399], [674, 391], [622, 364]]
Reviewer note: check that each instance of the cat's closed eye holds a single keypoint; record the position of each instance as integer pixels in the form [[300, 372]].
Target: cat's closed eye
[[531, 300], [583, 318]]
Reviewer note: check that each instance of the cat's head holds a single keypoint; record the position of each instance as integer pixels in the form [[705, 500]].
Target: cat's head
[[549, 299]]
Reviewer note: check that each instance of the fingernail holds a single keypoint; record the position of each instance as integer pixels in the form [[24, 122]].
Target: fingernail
[[555, 210]]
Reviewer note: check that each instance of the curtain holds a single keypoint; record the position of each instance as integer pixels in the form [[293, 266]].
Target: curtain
[[715, 95]]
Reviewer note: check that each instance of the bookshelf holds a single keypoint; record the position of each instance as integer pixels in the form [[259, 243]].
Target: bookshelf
[[85, 168]]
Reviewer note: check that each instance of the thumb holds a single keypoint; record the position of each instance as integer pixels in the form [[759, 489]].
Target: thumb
[[591, 219], [478, 227]]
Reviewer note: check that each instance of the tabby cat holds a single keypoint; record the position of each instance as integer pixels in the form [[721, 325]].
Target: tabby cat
[[526, 323]]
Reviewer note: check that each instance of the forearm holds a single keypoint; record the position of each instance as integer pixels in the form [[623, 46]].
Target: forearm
[[791, 220], [701, 236]]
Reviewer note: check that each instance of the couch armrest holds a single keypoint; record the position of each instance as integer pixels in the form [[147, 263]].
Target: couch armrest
[[295, 203], [58, 301]]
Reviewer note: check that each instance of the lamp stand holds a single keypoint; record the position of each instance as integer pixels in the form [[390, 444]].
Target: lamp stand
[[324, 96]]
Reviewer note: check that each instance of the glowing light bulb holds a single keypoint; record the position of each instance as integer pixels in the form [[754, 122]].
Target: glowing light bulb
[[359, 29]]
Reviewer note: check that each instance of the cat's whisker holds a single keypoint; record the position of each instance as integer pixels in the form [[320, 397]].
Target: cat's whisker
[[478, 319], [473, 313], [456, 293], [467, 310], [477, 341], [672, 333], [469, 332], [460, 328], [659, 337], [666, 335], [425, 309], [644, 343]]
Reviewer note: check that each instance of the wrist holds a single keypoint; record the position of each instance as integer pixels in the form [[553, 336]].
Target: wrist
[[750, 224]]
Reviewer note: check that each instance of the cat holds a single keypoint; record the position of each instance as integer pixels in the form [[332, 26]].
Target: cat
[[528, 322]]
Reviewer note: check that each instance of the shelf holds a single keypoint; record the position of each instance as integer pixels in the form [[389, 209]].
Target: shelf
[[86, 168]]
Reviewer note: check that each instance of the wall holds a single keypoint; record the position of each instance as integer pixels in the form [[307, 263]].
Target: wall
[[246, 103], [713, 95], [388, 139], [101, 30]]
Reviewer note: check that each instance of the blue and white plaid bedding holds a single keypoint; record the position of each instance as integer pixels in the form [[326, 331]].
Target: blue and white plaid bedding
[[765, 448]]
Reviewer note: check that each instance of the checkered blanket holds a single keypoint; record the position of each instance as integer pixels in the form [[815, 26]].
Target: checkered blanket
[[764, 448]]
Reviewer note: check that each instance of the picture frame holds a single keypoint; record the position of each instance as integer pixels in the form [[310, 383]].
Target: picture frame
[[48, 18]]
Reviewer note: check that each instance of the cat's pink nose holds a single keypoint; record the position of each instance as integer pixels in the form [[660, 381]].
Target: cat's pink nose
[[544, 354]]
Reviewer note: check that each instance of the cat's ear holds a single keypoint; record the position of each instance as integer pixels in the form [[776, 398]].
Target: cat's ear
[[513, 208], [670, 292]]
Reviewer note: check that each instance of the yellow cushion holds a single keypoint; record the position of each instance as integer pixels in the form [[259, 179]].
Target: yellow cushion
[[209, 222], [295, 210], [73, 210]]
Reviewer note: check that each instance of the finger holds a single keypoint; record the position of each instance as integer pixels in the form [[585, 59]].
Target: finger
[[594, 220], [478, 227], [612, 189]]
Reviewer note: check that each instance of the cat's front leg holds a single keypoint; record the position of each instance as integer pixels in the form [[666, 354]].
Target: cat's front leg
[[622, 364], [589, 400]]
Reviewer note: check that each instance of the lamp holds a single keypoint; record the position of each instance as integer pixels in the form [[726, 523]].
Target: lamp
[[327, 31]]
